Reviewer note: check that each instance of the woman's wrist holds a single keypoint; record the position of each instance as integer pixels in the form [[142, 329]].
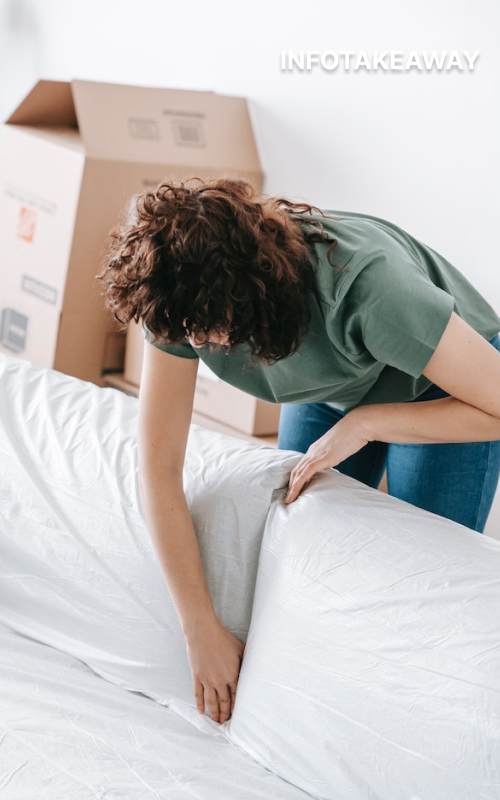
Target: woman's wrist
[[366, 419], [197, 623]]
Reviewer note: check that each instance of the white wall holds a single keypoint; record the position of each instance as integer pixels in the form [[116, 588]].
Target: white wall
[[420, 149], [20, 50]]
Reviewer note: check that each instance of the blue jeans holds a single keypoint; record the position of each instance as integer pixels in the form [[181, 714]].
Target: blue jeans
[[454, 480]]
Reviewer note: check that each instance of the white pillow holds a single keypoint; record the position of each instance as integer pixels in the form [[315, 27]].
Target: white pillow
[[78, 569], [372, 664]]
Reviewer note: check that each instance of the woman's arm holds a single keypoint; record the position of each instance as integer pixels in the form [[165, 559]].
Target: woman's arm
[[463, 364], [165, 409], [429, 422], [466, 366]]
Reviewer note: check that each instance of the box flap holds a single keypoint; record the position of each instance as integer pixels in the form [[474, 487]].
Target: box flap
[[164, 126], [192, 130], [48, 103]]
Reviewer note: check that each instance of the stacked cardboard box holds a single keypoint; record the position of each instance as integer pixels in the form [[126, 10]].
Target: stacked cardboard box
[[72, 154]]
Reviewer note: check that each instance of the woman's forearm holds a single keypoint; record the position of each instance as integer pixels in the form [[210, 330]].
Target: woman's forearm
[[171, 528], [428, 422]]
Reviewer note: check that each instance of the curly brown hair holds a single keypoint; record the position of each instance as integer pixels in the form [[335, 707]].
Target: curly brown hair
[[215, 256]]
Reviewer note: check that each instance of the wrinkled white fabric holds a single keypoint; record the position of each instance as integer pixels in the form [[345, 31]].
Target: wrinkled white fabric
[[66, 734], [372, 664], [78, 569]]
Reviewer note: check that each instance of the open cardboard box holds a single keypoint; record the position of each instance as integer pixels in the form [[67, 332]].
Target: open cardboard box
[[72, 154]]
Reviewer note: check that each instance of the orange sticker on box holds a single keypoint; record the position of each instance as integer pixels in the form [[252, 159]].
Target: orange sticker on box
[[26, 224]]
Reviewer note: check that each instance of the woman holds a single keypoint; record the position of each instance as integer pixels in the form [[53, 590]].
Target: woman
[[378, 348]]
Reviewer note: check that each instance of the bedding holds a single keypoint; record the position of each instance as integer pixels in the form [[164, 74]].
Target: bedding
[[67, 734], [78, 568], [372, 660], [375, 641]]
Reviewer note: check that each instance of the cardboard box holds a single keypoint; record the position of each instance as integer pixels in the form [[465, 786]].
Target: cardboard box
[[72, 154], [212, 396]]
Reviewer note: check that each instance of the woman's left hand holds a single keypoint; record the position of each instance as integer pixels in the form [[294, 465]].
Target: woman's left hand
[[346, 437]]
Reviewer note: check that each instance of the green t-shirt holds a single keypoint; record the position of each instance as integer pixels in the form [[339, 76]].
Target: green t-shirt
[[374, 324]]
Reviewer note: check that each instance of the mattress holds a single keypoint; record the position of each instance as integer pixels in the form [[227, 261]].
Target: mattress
[[375, 640]]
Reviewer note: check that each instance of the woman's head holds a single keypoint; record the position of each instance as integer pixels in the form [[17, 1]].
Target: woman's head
[[214, 261]]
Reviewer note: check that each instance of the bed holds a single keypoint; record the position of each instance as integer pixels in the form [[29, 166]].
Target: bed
[[67, 733], [372, 659]]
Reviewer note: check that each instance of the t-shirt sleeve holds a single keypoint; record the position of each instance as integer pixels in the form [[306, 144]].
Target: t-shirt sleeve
[[401, 314], [182, 349]]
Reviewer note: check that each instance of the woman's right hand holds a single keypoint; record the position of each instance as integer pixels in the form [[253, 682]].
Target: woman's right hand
[[215, 656]]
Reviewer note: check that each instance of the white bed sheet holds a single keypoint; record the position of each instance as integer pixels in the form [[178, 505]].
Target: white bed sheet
[[68, 734], [372, 669], [78, 569]]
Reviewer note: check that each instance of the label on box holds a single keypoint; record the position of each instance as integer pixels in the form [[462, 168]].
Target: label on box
[[30, 199], [149, 183], [143, 128], [13, 329], [188, 127], [41, 290], [26, 224]]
